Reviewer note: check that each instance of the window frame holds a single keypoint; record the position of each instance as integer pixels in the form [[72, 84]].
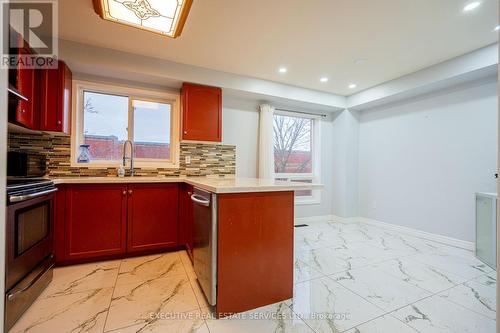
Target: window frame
[[132, 93], [315, 175]]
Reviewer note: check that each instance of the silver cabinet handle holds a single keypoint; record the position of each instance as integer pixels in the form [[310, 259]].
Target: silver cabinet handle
[[18, 198], [200, 200]]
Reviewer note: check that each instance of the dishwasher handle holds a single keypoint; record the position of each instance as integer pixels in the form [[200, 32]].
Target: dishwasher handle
[[200, 200]]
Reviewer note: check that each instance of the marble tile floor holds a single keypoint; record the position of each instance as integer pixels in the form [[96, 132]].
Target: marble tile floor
[[349, 277]]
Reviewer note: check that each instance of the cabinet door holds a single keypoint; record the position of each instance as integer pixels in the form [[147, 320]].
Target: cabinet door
[[55, 99], [152, 216], [201, 113], [27, 111], [26, 81], [95, 221], [186, 218]]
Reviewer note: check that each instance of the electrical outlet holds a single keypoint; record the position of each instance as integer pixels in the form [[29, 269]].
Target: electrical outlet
[[188, 159]]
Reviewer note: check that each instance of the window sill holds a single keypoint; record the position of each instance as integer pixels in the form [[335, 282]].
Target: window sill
[[307, 202]]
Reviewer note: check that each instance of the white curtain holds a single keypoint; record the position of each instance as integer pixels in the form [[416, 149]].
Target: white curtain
[[266, 142]]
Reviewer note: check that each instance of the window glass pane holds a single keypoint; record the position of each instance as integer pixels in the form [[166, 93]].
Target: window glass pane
[[292, 144], [105, 125], [151, 129]]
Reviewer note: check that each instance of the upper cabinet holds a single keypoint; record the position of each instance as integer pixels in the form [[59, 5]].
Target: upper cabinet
[[40, 99], [201, 113], [26, 113], [26, 81], [55, 99]]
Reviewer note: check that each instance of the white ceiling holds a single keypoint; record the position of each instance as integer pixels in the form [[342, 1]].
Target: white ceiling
[[312, 38]]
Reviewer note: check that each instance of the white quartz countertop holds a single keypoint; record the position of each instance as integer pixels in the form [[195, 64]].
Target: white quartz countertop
[[211, 184]]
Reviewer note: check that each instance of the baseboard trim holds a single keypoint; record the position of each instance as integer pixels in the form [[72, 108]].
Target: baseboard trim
[[419, 233], [394, 227]]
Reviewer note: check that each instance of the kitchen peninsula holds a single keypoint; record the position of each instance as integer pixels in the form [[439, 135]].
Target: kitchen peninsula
[[228, 226]]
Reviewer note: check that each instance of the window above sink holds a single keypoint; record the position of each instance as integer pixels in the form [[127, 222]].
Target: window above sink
[[107, 115]]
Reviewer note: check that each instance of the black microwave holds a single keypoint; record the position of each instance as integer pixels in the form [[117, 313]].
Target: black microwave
[[24, 164]]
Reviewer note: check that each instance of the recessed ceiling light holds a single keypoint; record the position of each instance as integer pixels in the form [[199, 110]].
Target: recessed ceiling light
[[497, 28], [352, 86], [323, 79], [471, 6], [283, 70]]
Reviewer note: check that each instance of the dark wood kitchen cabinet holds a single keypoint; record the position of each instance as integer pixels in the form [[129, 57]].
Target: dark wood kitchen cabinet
[[96, 221], [55, 99], [26, 112], [201, 113], [255, 250], [26, 81], [152, 216], [186, 218]]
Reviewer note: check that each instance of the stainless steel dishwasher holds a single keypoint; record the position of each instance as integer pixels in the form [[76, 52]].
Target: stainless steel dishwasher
[[205, 242]]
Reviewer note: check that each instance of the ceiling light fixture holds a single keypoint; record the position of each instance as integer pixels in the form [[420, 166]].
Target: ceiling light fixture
[[323, 79], [283, 70], [471, 6], [166, 17], [497, 28], [352, 86]]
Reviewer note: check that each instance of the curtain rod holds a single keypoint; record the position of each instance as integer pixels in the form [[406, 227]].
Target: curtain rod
[[302, 112]]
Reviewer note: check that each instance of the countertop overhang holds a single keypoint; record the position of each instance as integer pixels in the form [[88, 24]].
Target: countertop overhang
[[211, 184]]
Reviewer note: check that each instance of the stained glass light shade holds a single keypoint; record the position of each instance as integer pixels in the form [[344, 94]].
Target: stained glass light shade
[[165, 17]]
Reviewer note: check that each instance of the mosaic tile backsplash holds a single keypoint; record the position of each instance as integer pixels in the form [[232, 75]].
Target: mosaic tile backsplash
[[206, 159]]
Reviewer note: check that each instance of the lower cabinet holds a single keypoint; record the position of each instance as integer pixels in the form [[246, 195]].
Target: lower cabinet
[[186, 218], [105, 220], [255, 250], [152, 216], [96, 217]]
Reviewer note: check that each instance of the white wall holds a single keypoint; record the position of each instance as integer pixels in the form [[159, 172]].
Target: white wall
[[421, 162], [240, 127], [344, 163]]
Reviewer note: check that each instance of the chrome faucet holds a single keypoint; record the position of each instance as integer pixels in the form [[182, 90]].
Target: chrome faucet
[[131, 158]]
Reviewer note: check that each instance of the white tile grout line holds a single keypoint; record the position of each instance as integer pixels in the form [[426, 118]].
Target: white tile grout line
[[159, 254], [323, 276], [460, 284], [391, 312], [112, 293], [192, 288], [385, 312]]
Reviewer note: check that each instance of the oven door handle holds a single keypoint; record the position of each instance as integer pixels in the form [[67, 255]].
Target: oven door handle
[[19, 198], [11, 296]]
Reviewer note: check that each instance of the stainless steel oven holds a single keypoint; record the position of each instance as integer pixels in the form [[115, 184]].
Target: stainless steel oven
[[29, 243]]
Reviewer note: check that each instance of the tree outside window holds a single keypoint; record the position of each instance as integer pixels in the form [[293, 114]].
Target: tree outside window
[[294, 151]]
